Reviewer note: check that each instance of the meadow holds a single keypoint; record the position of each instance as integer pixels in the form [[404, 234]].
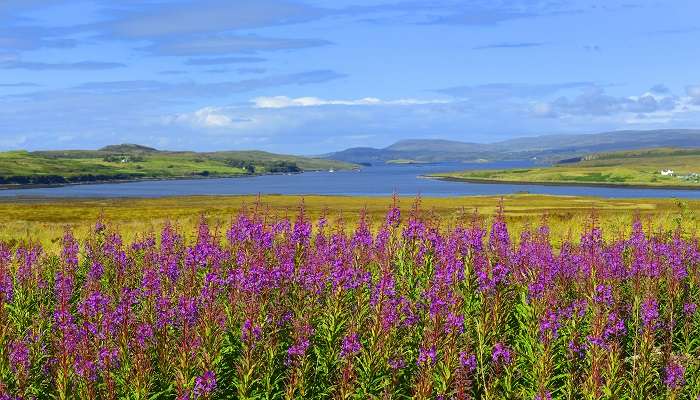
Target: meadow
[[279, 297], [45, 220]]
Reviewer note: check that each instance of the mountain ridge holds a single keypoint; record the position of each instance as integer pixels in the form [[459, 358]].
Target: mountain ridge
[[545, 148]]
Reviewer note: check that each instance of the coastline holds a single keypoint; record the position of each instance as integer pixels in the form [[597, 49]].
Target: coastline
[[12, 186], [547, 183]]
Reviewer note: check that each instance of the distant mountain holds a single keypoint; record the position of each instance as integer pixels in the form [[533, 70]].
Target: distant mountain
[[549, 148]]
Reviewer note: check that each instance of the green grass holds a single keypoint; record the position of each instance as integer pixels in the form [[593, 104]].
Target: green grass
[[631, 168], [22, 167]]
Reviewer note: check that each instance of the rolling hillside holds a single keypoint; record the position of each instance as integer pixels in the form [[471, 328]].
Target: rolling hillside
[[130, 162], [658, 167]]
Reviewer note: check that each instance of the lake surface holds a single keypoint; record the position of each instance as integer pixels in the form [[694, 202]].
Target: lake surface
[[380, 180]]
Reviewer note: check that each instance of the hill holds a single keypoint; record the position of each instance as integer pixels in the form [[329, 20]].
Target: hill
[[545, 149], [132, 162], [657, 167]]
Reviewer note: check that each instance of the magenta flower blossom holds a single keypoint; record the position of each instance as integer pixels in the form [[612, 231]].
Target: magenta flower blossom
[[650, 313], [603, 295], [547, 395], [205, 384], [250, 333], [549, 325], [426, 356], [675, 375], [468, 361], [19, 356], [351, 345], [454, 324], [501, 354], [689, 309]]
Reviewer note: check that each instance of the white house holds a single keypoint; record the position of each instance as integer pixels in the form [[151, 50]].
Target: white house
[[666, 172]]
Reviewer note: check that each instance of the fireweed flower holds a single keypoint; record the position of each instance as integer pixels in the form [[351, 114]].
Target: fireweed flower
[[205, 384], [298, 349], [468, 361], [547, 395], [454, 324], [108, 358], [426, 356], [19, 356], [549, 325], [351, 345], [144, 333], [501, 354], [689, 309], [250, 333], [396, 363], [603, 295], [6, 288], [393, 217], [649, 313], [70, 250], [675, 375]]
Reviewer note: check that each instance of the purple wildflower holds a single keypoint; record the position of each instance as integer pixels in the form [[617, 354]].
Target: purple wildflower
[[205, 384], [351, 345], [675, 375], [689, 309], [19, 356], [396, 363], [650, 313], [468, 361], [426, 356], [454, 323], [501, 354]]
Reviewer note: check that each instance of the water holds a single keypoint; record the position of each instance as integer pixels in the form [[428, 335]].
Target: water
[[381, 180]]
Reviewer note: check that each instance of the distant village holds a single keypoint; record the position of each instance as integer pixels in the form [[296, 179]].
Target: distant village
[[691, 177]]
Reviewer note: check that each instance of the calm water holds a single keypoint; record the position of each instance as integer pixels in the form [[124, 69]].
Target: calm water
[[372, 181]]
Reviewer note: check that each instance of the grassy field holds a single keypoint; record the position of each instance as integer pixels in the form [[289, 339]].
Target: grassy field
[[628, 168], [45, 219], [125, 162]]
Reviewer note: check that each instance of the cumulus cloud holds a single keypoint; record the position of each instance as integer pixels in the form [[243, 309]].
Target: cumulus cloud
[[207, 117], [595, 102], [286, 102]]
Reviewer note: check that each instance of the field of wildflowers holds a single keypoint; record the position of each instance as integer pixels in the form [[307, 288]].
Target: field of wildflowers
[[277, 309]]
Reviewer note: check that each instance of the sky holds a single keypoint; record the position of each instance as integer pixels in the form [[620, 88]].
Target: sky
[[315, 76]]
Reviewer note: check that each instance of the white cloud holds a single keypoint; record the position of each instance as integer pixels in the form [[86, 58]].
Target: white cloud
[[208, 117], [286, 102]]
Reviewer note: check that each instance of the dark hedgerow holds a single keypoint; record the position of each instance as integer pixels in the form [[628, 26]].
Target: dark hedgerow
[[276, 309]]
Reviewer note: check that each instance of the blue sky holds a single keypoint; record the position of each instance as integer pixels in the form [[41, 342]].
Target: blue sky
[[313, 76]]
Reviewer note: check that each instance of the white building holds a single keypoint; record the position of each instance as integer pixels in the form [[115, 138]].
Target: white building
[[667, 172]]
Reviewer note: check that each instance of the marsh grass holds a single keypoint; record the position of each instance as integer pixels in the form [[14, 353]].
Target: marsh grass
[[45, 220]]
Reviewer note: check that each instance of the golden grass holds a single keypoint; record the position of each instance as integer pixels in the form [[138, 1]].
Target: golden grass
[[44, 220]]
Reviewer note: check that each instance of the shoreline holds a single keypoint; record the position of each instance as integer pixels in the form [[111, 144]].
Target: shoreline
[[540, 183], [20, 186]]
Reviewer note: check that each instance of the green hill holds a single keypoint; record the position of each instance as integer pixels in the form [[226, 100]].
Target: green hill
[[132, 162], [671, 167]]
